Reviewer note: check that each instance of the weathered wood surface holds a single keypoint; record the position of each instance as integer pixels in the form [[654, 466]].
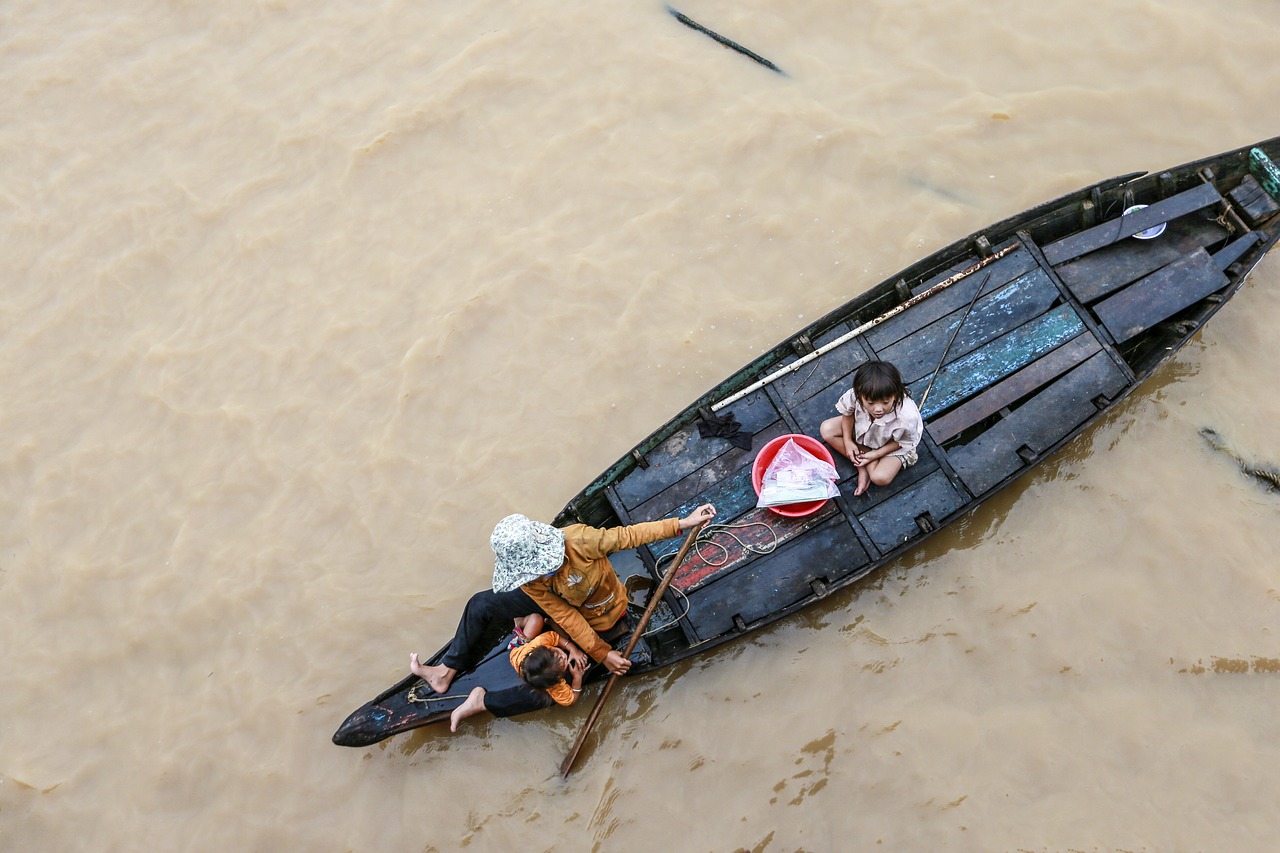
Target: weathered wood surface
[[970, 374], [776, 581], [1253, 202], [893, 522], [732, 496], [993, 315], [1113, 230], [1038, 424], [686, 451], [702, 484], [1160, 295], [1233, 251], [721, 549], [795, 388], [958, 296], [1105, 271], [1014, 387]]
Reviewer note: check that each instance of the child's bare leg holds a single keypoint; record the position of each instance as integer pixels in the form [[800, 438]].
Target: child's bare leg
[[530, 626], [833, 434], [884, 469], [473, 705], [438, 677]]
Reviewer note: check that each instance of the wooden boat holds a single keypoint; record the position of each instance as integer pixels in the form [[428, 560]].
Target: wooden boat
[[1028, 331]]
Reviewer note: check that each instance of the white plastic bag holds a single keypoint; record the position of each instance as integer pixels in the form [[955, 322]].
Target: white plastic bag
[[795, 475]]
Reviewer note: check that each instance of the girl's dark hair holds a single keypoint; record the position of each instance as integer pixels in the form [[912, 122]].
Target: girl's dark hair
[[539, 669], [879, 380]]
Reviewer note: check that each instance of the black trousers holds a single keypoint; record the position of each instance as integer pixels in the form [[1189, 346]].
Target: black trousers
[[472, 640]]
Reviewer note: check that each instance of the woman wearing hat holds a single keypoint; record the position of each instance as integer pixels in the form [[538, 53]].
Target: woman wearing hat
[[563, 574]]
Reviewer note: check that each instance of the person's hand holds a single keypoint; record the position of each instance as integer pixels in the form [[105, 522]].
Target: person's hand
[[701, 515], [577, 658], [616, 663]]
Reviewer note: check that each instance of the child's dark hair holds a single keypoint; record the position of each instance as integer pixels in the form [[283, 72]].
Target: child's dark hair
[[879, 380], [539, 669]]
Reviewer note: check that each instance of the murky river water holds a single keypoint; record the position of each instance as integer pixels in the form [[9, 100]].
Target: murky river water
[[299, 299]]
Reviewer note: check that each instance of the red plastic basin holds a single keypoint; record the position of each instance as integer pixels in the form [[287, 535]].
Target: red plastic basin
[[765, 456]]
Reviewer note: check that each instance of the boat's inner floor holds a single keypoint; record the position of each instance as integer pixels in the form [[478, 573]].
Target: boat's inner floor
[[1057, 332]]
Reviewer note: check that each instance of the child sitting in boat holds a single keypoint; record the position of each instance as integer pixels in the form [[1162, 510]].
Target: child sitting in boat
[[878, 427], [550, 666]]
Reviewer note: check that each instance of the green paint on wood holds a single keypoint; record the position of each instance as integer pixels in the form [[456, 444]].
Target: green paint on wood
[[1267, 173], [982, 368]]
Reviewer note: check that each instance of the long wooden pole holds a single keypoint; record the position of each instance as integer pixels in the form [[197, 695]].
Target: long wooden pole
[[847, 336], [636, 633]]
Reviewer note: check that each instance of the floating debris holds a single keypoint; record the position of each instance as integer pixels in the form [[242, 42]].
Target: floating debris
[[1268, 477], [729, 43]]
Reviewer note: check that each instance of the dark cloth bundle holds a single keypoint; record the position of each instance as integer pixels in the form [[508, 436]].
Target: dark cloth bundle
[[712, 426]]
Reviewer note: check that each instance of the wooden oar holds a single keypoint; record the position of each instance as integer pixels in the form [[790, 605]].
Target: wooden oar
[[636, 633]]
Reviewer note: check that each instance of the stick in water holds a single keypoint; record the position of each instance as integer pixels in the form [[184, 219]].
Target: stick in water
[[636, 633], [729, 43]]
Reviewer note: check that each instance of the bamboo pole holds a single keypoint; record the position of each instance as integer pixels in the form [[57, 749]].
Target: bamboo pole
[[848, 336]]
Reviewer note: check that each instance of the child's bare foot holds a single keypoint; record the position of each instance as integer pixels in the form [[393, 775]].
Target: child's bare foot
[[864, 480], [438, 677], [474, 704]]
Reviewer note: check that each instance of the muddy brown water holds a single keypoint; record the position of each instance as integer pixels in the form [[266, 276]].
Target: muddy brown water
[[298, 300]]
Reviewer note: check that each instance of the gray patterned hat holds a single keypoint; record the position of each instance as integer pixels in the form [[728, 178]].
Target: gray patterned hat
[[525, 550]]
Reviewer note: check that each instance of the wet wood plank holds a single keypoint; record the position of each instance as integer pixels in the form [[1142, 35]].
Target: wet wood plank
[[1019, 301], [982, 368], [893, 522], [1113, 230], [1013, 388], [751, 535], [775, 581], [1038, 424], [1160, 295], [1105, 271]]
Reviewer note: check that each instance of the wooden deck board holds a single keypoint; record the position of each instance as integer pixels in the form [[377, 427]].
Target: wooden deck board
[[1014, 387], [693, 490], [970, 374], [726, 549], [776, 581], [810, 379], [994, 314], [1105, 271], [1165, 210], [686, 451], [893, 522], [957, 296], [1040, 423], [1160, 295]]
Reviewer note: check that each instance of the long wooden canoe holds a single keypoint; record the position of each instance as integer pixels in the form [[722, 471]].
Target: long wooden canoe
[[1028, 330]]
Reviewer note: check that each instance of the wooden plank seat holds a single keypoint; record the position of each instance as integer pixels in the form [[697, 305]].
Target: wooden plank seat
[[1105, 271], [894, 522], [1034, 427], [1111, 231], [1014, 387], [993, 315], [956, 297], [1234, 251], [686, 451], [754, 534], [773, 581], [968, 375], [1160, 295]]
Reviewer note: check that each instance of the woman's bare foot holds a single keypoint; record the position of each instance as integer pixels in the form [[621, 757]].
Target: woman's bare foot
[[438, 677], [473, 705]]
